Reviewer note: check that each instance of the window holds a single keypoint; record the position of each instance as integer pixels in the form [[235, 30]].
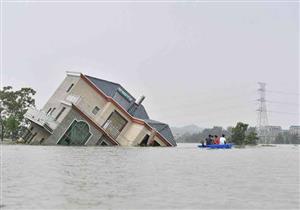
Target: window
[[70, 87], [32, 137], [95, 110], [115, 124], [42, 140], [28, 134], [144, 142], [49, 111], [102, 141], [121, 100], [155, 144], [61, 111], [77, 134], [52, 111]]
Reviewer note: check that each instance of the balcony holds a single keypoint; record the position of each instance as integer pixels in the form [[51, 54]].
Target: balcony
[[41, 118], [81, 104], [111, 130]]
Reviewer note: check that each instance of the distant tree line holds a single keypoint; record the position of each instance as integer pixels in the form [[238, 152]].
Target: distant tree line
[[13, 106], [241, 134]]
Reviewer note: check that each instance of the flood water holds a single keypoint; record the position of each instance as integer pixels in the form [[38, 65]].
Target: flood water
[[185, 177]]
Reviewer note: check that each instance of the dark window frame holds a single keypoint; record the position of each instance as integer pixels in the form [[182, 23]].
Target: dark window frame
[[49, 110], [70, 87], [102, 141], [60, 113], [103, 144], [144, 141], [53, 109], [66, 138], [156, 144], [121, 129], [32, 137], [95, 110], [42, 140]]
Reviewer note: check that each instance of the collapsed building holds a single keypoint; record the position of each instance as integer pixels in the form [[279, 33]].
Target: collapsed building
[[85, 110]]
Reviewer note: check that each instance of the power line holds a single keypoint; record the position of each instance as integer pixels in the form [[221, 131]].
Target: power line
[[282, 92], [284, 103], [287, 113], [211, 107]]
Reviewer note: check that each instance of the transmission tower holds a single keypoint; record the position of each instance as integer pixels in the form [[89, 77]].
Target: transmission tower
[[262, 121]]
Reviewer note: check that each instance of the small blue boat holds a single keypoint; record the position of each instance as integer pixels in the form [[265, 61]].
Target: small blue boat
[[216, 146]]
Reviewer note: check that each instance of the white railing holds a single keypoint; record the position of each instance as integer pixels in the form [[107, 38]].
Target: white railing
[[40, 117], [73, 98], [110, 129]]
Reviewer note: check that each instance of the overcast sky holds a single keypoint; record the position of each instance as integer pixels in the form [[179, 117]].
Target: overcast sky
[[196, 62]]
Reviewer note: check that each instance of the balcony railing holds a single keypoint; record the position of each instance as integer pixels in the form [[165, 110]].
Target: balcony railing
[[73, 99], [41, 118], [111, 130]]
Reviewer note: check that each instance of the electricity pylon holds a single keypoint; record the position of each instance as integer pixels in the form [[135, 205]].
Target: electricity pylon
[[262, 121]]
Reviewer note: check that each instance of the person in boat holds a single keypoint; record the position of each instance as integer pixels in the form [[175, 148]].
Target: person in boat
[[217, 140], [209, 140], [202, 142], [223, 139]]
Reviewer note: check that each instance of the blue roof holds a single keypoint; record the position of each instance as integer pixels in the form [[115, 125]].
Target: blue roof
[[109, 88], [163, 129]]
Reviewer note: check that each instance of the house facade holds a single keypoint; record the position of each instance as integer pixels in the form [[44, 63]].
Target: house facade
[[272, 133], [294, 130], [85, 110]]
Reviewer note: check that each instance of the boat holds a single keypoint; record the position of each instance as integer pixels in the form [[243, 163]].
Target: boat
[[216, 146]]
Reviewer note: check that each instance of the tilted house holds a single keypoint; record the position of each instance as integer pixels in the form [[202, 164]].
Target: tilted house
[[89, 111]]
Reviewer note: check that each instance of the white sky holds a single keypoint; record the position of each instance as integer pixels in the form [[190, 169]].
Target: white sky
[[196, 62]]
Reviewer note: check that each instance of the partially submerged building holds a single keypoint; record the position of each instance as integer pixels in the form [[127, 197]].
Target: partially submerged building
[[89, 111]]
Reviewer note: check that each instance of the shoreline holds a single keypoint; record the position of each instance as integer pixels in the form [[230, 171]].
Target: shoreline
[[11, 142], [8, 142]]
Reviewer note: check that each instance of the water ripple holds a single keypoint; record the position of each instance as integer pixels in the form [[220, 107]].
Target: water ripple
[[40, 177]]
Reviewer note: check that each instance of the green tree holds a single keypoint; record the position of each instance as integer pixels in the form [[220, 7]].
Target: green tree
[[251, 138], [239, 133], [17, 102], [11, 125], [15, 105]]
